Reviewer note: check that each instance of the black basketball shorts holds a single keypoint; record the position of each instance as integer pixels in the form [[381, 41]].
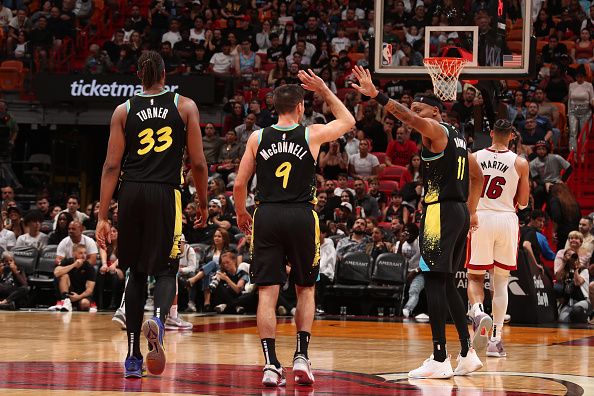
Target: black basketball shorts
[[443, 237], [149, 227], [285, 233]]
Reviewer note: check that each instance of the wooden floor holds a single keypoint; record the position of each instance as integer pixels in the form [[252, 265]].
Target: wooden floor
[[82, 354]]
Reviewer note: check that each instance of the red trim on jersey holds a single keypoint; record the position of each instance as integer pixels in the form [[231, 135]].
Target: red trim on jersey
[[480, 267], [497, 151], [468, 249], [506, 267]]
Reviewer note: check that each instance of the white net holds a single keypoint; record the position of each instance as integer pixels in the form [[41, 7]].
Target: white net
[[444, 73]]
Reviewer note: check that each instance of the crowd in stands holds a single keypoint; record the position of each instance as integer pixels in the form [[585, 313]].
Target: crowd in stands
[[370, 190]]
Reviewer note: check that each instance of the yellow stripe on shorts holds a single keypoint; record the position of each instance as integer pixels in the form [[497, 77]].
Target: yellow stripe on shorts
[[316, 260], [432, 228], [177, 229]]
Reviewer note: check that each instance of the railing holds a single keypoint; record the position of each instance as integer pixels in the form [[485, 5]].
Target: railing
[[579, 158]]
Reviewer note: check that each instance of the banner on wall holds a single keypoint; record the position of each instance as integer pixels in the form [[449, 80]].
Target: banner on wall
[[111, 90]]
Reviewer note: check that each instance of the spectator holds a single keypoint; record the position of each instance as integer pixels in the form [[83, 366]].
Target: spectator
[[288, 38], [563, 210], [545, 171], [373, 129], [197, 33], [324, 212], [321, 58], [263, 38], [16, 223], [98, 61], [516, 112], [556, 85], [187, 269], [184, 49], [400, 150], [569, 26], [5, 16], [235, 119], [553, 50], [543, 123], [211, 144], [72, 206], [364, 165], [572, 287], [465, 109], [544, 25], [219, 245], [581, 100], [280, 71], [75, 237], [583, 52], [61, 230], [326, 76], [13, 284], [247, 63], [56, 209], [139, 23], [263, 117], [7, 237], [378, 245], [43, 207], [199, 63], [126, 63], [310, 116], [546, 109], [244, 131], [532, 132], [356, 242], [109, 272], [408, 246], [8, 135], [585, 228], [229, 155], [365, 201], [333, 162], [7, 196], [275, 50], [76, 280], [228, 284], [172, 62], [351, 143], [413, 169], [327, 267], [220, 65], [41, 39], [343, 186], [173, 35], [82, 10], [340, 42], [575, 241], [375, 193], [34, 238], [397, 208]]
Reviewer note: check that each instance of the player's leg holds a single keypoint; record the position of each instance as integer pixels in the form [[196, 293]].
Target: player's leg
[[266, 320], [499, 282], [134, 303], [120, 314]]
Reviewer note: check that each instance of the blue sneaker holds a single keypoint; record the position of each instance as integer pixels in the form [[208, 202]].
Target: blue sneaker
[[133, 367], [154, 330]]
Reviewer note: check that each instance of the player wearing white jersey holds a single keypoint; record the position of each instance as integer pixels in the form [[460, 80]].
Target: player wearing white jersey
[[494, 244]]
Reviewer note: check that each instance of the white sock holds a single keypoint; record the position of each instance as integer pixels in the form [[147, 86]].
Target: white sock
[[476, 309], [173, 311], [500, 298]]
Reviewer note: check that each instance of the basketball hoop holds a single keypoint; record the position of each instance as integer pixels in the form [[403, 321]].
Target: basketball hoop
[[444, 73]]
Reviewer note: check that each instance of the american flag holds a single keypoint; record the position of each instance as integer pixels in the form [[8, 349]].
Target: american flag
[[512, 60]]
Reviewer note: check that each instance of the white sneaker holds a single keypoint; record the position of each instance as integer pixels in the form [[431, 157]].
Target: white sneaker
[[481, 325], [406, 312], [468, 364], [66, 306], [293, 311], [56, 307], [507, 318], [177, 324], [433, 369], [302, 370], [150, 305], [422, 317], [191, 307], [220, 308], [119, 317], [273, 376]]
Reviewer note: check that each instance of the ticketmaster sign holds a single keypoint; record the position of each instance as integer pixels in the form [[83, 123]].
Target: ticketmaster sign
[[115, 89]]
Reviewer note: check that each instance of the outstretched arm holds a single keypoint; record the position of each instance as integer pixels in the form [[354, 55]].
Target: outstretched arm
[[430, 129], [246, 170]]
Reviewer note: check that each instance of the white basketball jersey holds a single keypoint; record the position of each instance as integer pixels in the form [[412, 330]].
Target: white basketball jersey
[[500, 180]]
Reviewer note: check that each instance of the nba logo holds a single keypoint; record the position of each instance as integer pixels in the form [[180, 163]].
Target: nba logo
[[386, 54]]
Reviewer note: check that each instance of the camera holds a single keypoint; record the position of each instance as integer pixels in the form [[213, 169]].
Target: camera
[[214, 282], [574, 256]]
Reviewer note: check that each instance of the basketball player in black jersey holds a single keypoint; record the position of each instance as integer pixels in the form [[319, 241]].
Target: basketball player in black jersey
[[453, 182], [148, 136], [285, 226]]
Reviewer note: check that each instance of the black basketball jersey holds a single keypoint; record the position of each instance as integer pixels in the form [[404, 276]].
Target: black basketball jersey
[[155, 140], [445, 174], [285, 168]]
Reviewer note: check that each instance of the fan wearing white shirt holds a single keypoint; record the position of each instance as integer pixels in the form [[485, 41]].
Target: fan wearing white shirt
[[340, 42], [173, 35], [197, 32], [7, 238], [72, 206], [34, 238], [363, 165], [327, 266], [76, 237]]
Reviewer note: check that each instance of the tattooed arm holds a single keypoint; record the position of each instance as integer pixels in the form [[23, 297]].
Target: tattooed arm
[[434, 136]]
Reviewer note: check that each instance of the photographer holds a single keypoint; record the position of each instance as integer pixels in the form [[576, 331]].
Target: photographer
[[227, 284], [571, 289], [76, 279], [8, 133], [575, 240], [13, 284]]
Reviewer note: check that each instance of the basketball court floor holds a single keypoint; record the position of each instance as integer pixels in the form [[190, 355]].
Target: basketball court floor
[[81, 354]]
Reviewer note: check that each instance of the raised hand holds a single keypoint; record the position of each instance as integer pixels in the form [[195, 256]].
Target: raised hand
[[365, 86], [311, 82]]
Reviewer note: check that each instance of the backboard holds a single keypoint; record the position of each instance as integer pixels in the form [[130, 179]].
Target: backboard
[[493, 35]]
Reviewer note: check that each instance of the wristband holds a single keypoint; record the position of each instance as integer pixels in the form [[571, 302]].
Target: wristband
[[382, 99], [522, 207]]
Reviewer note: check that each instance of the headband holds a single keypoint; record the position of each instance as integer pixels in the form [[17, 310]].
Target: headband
[[428, 100]]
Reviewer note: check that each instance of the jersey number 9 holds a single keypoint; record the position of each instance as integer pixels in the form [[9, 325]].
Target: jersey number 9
[[283, 171]]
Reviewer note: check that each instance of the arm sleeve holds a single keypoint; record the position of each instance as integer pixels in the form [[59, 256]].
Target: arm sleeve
[[20, 241], [61, 249], [545, 249], [11, 240], [374, 160], [91, 245]]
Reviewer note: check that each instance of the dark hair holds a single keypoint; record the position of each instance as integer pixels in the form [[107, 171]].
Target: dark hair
[[536, 213], [430, 99], [502, 127], [287, 97], [412, 229], [150, 68], [73, 197], [324, 229], [273, 36], [32, 217]]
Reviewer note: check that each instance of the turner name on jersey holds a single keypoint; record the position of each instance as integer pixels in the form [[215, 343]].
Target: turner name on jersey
[[152, 112], [284, 147]]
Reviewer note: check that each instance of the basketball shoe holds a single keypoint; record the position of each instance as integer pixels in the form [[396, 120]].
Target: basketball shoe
[[154, 330], [119, 317], [177, 323], [302, 370], [495, 349], [481, 325], [273, 376], [433, 369], [133, 367], [468, 364]]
